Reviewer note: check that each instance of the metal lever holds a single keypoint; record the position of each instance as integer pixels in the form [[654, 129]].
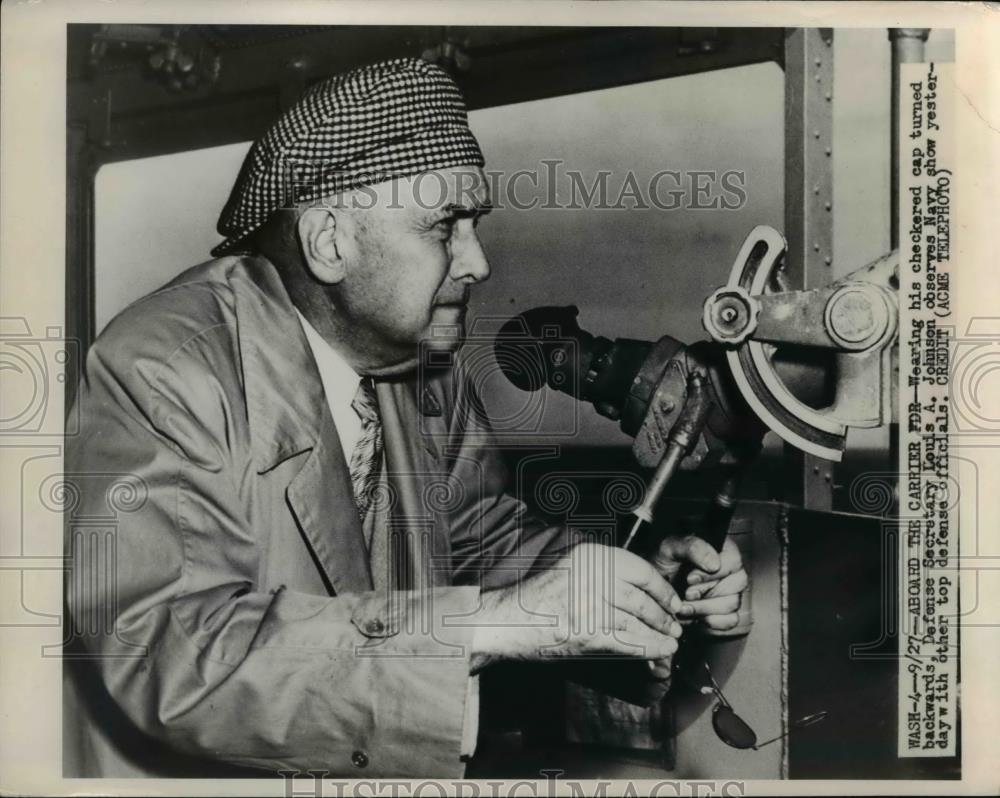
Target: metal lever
[[855, 319], [682, 439]]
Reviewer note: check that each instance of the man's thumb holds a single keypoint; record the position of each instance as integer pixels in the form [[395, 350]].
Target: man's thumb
[[701, 555]]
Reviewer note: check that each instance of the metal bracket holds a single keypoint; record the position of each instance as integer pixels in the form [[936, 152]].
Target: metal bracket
[[855, 317]]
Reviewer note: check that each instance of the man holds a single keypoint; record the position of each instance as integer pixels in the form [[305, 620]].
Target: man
[[324, 556]]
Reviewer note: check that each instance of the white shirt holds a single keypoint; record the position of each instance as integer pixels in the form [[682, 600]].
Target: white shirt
[[340, 384]]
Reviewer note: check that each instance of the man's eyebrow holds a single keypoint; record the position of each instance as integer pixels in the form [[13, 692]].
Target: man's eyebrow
[[466, 211]]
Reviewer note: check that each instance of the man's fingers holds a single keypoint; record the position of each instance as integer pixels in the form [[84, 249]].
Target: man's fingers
[[631, 637], [700, 554], [721, 623], [718, 605], [722, 596], [637, 602], [661, 668], [729, 561], [699, 588], [636, 571], [733, 583]]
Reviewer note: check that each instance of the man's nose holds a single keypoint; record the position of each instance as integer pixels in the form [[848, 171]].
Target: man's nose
[[469, 261]]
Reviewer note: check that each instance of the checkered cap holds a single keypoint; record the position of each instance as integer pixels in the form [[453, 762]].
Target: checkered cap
[[392, 119]]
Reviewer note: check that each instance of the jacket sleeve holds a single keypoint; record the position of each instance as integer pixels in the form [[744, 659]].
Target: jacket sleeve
[[196, 653], [497, 540]]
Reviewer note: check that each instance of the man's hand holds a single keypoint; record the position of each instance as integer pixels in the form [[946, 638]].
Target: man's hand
[[715, 584], [595, 600]]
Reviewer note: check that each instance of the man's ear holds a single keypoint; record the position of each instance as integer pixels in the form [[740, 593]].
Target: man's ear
[[317, 233]]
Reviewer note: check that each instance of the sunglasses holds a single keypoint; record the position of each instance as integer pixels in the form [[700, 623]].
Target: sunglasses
[[731, 728]]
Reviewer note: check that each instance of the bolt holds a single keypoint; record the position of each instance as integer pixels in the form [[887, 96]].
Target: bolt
[[666, 406], [728, 315], [851, 316]]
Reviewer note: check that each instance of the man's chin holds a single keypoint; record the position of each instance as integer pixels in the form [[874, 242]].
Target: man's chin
[[443, 336]]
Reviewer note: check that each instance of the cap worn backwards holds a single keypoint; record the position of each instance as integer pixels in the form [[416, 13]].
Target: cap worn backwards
[[388, 120]]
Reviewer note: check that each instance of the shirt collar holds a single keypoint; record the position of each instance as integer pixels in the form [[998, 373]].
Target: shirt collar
[[340, 381]]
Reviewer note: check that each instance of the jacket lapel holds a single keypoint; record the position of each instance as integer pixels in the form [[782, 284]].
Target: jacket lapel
[[288, 415], [419, 520], [322, 499]]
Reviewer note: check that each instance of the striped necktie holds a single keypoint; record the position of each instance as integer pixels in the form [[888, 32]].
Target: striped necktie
[[368, 451]]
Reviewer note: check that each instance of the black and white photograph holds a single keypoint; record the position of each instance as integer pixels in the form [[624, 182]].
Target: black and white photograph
[[561, 405]]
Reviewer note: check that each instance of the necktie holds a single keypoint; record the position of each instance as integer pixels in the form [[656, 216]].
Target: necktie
[[368, 451]]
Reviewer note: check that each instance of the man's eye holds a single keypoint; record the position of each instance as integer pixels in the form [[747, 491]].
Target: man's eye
[[445, 226]]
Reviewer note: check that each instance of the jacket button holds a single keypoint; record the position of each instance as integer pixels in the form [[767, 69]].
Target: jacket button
[[359, 759], [374, 626]]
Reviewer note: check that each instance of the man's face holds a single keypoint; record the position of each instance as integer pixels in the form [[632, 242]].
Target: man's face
[[413, 255]]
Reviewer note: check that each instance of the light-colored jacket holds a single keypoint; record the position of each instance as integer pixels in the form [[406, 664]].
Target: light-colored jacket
[[228, 620]]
